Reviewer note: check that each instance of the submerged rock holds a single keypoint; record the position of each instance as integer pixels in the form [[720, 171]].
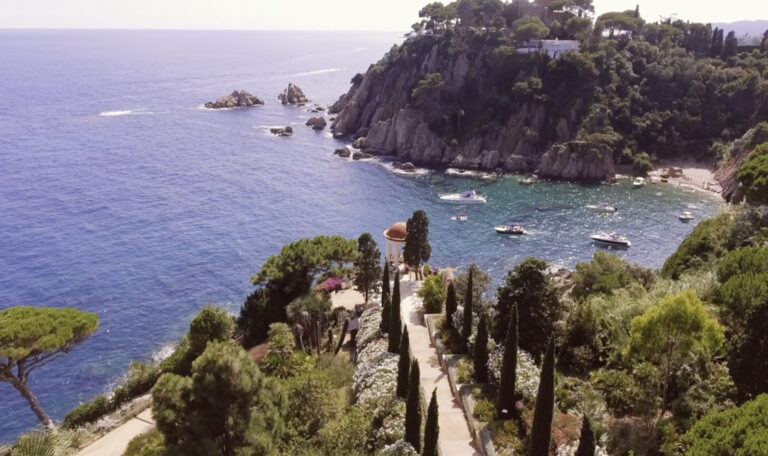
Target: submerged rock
[[293, 95], [282, 132], [236, 99], [408, 167], [317, 123], [343, 152], [357, 155]]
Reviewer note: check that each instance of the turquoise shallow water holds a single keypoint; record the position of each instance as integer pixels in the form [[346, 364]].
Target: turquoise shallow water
[[119, 196]]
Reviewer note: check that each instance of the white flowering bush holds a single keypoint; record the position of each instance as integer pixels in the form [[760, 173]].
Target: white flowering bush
[[392, 428], [569, 449], [375, 378], [527, 381], [399, 448], [370, 321], [458, 319]]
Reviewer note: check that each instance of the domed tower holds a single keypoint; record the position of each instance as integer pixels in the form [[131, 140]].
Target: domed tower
[[395, 236]]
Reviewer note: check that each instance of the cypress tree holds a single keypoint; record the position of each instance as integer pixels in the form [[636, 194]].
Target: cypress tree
[[395, 322], [403, 365], [466, 329], [386, 299], [481, 352], [541, 429], [587, 439], [413, 408], [507, 387], [386, 309], [450, 305], [432, 428]]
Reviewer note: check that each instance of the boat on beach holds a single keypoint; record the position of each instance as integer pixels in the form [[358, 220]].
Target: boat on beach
[[601, 207], [510, 228], [468, 197], [612, 239]]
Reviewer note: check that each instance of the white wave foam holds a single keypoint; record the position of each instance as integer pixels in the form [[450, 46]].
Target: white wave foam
[[163, 352], [470, 173]]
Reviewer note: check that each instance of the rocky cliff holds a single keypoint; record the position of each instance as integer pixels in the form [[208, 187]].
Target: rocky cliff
[[462, 102], [737, 153]]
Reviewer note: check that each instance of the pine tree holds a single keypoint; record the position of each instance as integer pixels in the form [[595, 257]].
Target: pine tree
[[450, 305], [506, 405], [413, 408], [395, 321], [587, 439], [403, 365], [541, 429], [432, 428], [466, 329], [481, 352]]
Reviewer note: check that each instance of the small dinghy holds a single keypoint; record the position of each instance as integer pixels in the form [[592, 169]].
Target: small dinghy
[[686, 216], [460, 218]]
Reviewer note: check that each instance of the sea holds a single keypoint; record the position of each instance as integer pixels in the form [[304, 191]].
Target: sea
[[121, 195]]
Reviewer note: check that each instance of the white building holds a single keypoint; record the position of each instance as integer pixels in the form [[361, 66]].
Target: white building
[[395, 237], [553, 48]]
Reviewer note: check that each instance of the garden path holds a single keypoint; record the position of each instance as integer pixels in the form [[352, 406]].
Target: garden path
[[455, 438], [116, 441]]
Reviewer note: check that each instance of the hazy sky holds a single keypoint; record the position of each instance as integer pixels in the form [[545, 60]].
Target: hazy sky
[[394, 15]]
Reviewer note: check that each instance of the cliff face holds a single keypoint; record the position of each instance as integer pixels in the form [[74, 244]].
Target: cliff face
[[727, 174], [467, 116]]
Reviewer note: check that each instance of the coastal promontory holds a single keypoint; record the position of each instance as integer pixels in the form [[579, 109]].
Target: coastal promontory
[[523, 93], [236, 99]]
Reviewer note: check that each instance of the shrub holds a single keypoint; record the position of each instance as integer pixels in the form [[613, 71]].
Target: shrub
[[506, 437], [642, 164], [465, 371], [140, 379], [352, 429], [485, 410], [433, 293], [210, 325], [88, 412], [752, 260], [736, 432], [150, 444], [708, 240], [604, 274]]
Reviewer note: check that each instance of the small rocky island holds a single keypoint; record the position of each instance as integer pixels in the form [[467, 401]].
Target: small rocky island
[[236, 99], [293, 95], [282, 132], [317, 123]]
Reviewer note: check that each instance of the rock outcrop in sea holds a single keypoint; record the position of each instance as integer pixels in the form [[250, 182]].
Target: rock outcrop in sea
[[430, 106], [317, 123], [293, 95], [236, 99], [282, 132]]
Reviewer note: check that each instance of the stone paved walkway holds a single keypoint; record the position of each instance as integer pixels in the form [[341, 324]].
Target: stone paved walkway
[[455, 438], [116, 441]]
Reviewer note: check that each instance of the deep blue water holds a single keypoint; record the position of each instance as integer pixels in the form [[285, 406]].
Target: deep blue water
[[147, 216]]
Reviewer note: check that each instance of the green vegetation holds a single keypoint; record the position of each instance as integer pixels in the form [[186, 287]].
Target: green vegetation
[[507, 389], [450, 305], [413, 408], [404, 366], [466, 327], [431, 428], [529, 288], [737, 432], [395, 318], [480, 358], [541, 429], [386, 299], [367, 269], [31, 337], [754, 175], [433, 293], [586, 439], [417, 249]]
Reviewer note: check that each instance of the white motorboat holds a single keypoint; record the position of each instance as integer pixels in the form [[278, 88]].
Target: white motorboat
[[468, 197], [611, 239], [460, 218], [638, 182], [510, 228], [530, 180], [686, 216], [601, 207]]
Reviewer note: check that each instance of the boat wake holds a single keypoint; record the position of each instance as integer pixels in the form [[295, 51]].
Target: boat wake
[[127, 112], [314, 72]]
